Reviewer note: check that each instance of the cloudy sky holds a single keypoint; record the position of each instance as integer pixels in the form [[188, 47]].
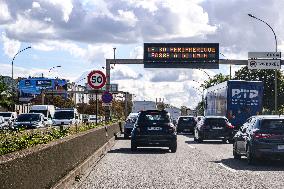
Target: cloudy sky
[[79, 35]]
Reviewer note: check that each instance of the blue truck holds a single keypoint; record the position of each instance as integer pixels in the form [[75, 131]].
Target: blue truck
[[236, 99]]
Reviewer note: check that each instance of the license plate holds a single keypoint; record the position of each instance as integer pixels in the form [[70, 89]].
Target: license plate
[[154, 128], [280, 147], [186, 129], [217, 127]]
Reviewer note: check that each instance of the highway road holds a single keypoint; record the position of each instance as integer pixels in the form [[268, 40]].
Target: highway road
[[206, 165]]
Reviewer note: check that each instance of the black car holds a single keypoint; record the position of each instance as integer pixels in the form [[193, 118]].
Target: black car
[[186, 124], [214, 128], [260, 137], [154, 128]]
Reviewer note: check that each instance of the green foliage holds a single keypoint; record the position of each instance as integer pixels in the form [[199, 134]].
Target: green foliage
[[200, 108], [11, 141], [6, 98], [219, 78], [268, 79]]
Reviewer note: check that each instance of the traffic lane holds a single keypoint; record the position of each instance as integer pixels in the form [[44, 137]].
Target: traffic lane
[[158, 168], [223, 153]]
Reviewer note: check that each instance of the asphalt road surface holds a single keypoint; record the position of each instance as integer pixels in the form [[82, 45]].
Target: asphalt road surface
[[206, 165]]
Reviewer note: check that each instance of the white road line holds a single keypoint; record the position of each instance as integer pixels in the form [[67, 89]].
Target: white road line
[[228, 168], [191, 146]]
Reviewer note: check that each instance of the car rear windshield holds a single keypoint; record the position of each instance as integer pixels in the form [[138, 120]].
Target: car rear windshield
[[6, 114], [154, 117], [270, 124], [215, 121], [186, 120], [28, 117]]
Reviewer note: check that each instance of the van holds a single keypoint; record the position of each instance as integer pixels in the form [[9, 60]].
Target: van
[[9, 117], [66, 116], [47, 110], [29, 121]]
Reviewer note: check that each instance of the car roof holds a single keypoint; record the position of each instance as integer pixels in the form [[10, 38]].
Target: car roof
[[32, 114], [186, 116], [223, 117], [268, 117]]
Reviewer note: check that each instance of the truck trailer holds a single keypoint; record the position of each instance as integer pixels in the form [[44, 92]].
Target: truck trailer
[[236, 99]]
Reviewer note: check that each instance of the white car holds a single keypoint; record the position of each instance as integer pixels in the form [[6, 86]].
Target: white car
[[3, 124], [9, 117], [30, 121]]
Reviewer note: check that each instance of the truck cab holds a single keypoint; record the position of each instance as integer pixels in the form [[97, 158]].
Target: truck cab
[[47, 110]]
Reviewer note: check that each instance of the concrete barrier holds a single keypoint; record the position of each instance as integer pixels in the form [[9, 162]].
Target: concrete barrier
[[44, 165]]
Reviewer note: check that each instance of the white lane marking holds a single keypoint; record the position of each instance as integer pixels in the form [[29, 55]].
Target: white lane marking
[[191, 146], [228, 168]]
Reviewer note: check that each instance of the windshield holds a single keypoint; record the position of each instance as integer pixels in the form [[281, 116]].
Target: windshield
[[215, 121], [6, 114], [268, 124], [152, 117], [64, 115], [44, 112], [186, 120], [28, 117]]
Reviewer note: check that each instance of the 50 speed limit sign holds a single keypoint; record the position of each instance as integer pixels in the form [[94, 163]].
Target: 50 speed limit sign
[[96, 79]]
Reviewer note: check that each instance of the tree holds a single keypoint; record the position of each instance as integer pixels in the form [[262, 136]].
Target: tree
[[268, 79], [6, 97], [219, 78], [200, 108]]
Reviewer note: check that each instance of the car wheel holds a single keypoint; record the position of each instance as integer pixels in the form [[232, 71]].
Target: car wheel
[[133, 146], [231, 141], [235, 154], [194, 139], [250, 157], [173, 148]]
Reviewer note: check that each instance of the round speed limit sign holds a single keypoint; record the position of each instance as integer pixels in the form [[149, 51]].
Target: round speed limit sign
[[96, 79]]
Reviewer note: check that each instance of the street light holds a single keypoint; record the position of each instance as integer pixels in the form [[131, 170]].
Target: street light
[[230, 65], [14, 59], [275, 97]]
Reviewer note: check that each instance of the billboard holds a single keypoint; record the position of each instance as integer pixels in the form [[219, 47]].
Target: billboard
[[181, 55]]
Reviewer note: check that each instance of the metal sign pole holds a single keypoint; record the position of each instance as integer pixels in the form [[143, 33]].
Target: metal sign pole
[[97, 107]]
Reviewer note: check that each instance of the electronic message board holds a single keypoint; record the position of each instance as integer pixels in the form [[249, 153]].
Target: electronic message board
[[181, 55]]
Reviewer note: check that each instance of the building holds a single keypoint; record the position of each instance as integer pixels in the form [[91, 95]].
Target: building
[[77, 94]]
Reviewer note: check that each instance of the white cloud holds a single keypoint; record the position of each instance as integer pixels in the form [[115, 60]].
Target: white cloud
[[137, 53], [4, 12], [36, 5], [10, 46], [66, 7], [127, 17]]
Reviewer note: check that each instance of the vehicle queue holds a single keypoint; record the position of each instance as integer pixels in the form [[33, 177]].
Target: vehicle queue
[[260, 137]]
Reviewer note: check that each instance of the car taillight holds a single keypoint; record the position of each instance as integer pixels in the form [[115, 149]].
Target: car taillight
[[229, 126], [262, 135]]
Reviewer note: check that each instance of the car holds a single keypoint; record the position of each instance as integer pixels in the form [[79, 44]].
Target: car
[[9, 117], [260, 137], [3, 123], [154, 128], [214, 128], [92, 119], [129, 124], [30, 121], [186, 124]]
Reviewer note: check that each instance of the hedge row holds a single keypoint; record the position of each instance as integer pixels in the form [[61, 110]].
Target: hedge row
[[11, 141]]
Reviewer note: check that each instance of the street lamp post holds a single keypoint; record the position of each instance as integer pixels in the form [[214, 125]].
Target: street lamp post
[[14, 59], [276, 93]]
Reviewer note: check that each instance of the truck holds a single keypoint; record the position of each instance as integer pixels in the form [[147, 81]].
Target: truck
[[143, 106], [47, 110], [236, 99], [66, 116]]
